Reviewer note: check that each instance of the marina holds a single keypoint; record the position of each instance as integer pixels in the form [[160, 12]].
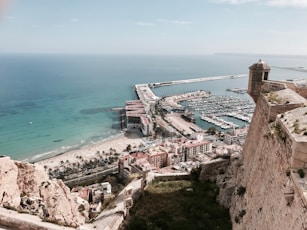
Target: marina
[[243, 117], [221, 105], [219, 122], [212, 108]]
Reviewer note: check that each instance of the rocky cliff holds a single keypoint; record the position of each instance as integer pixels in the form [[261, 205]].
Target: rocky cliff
[[26, 188]]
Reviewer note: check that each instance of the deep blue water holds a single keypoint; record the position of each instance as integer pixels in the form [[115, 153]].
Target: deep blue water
[[68, 97]]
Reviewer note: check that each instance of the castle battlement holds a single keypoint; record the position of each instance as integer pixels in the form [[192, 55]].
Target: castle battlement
[[285, 103], [274, 155]]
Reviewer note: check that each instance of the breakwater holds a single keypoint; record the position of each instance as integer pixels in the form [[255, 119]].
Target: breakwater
[[167, 83]]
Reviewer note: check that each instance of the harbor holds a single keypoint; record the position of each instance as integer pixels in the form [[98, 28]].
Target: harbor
[[213, 109]]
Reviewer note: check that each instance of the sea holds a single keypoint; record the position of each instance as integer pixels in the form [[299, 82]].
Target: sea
[[53, 103]]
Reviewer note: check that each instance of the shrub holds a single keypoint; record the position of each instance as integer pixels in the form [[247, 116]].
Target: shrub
[[288, 172], [301, 173], [279, 132], [240, 216], [241, 190], [296, 126], [226, 156], [242, 213], [195, 173]]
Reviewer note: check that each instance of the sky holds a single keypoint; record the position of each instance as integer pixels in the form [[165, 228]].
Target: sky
[[175, 27]]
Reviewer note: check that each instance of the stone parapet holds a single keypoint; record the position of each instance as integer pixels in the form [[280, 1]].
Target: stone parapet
[[213, 168], [272, 86]]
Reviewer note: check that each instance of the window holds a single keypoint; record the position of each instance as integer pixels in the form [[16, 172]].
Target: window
[[266, 75]]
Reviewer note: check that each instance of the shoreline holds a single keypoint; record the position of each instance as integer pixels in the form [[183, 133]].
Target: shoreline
[[117, 142], [55, 153]]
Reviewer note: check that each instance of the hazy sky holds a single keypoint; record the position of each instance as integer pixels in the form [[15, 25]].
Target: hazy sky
[[153, 26]]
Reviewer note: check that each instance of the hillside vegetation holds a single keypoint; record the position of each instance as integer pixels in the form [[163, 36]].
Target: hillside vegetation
[[179, 205]]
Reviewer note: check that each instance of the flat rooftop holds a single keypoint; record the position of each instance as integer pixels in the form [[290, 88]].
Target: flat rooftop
[[296, 122], [285, 96]]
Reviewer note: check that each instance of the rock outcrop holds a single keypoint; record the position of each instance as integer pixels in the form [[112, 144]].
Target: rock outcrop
[[9, 192], [26, 188]]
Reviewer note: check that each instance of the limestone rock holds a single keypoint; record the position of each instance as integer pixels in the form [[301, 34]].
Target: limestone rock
[[9, 191], [25, 187], [30, 177], [61, 205]]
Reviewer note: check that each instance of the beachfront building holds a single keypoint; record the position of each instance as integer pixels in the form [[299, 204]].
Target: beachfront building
[[193, 148], [140, 162], [137, 118]]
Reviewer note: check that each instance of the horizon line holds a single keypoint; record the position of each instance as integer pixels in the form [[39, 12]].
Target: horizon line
[[155, 54]]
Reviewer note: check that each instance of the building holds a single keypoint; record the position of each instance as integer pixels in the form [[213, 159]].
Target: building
[[237, 136], [137, 118], [158, 160], [192, 148], [106, 188], [138, 162]]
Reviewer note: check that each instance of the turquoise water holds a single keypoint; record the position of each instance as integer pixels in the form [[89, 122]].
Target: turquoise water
[[68, 99]]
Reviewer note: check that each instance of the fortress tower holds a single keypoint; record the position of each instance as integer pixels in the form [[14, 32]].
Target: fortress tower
[[257, 73]]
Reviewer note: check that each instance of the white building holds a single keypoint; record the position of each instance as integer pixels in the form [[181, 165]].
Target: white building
[[194, 147], [237, 136]]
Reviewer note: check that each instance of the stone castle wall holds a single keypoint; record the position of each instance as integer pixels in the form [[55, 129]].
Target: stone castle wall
[[302, 91], [267, 159], [269, 86], [213, 168]]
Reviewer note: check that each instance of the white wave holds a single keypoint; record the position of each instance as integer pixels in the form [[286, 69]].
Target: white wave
[[43, 155]]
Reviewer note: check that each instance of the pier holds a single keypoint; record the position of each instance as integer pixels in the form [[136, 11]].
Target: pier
[[243, 117], [167, 83], [147, 96], [237, 90], [219, 122]]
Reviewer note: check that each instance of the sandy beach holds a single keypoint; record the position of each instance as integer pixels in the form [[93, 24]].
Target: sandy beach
[[118, 143]]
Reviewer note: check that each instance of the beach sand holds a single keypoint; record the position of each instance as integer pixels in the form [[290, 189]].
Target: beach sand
[[119, 143]]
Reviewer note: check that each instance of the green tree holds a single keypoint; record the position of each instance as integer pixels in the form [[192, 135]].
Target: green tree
[[212, 130]]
